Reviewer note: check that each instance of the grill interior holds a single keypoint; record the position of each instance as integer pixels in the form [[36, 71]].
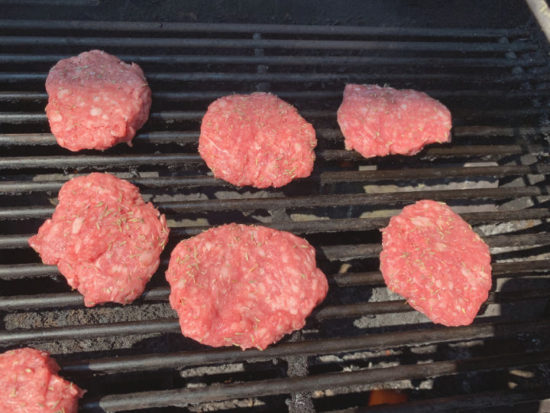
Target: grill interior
[[495, 173]]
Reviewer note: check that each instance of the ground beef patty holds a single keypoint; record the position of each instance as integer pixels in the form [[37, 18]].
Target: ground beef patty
[[243, 285], [103, 238], [96, 101], [379, 121], [29, 384], [434, 259], [257, 140]]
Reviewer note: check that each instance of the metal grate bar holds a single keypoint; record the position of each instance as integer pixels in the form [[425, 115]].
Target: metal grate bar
[[356, 251], [179, 116], [170, 42], [291, 60], [346, 199], [485, 151], [248, 204], [318, 347], [59, 300], [21, 271], [98, 160], [123, 26], [411, 174], [171, 325], [419, 173], [310, 227], [179, 137], [185, 137], [16, 96], [88, 331], [475, 78], [14, 241], [401, 306], [122, 402]]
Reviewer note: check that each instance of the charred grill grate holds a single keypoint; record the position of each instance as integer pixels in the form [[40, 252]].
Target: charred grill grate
[[496, 83]]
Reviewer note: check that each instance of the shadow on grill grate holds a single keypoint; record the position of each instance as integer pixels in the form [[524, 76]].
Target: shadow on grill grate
[[495, 173]]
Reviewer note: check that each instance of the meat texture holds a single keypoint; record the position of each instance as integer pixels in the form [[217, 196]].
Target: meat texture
[[96, 101], [434, 259], [243, 285], [104, 238], [257, 140], [29, 384], [379, 121]]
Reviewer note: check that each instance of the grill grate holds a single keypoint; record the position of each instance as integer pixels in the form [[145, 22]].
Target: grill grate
[[495, 81]]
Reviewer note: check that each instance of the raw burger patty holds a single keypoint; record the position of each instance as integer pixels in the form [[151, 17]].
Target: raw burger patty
[[243, 285], [257, 140], [379, 121], [434, 259], [103, 238], [96, 101], [29, 384]]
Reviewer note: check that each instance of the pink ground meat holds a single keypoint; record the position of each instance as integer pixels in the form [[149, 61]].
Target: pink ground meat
[[96, 101], [29, 384], [104, 238], [257, 140], [379, 121], [244, 285], [434, 259]]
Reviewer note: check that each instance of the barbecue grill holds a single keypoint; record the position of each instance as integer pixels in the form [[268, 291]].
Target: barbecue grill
[[495, 80]]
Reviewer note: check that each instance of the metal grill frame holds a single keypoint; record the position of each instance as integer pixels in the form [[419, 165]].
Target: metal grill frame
[[522, 74]]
